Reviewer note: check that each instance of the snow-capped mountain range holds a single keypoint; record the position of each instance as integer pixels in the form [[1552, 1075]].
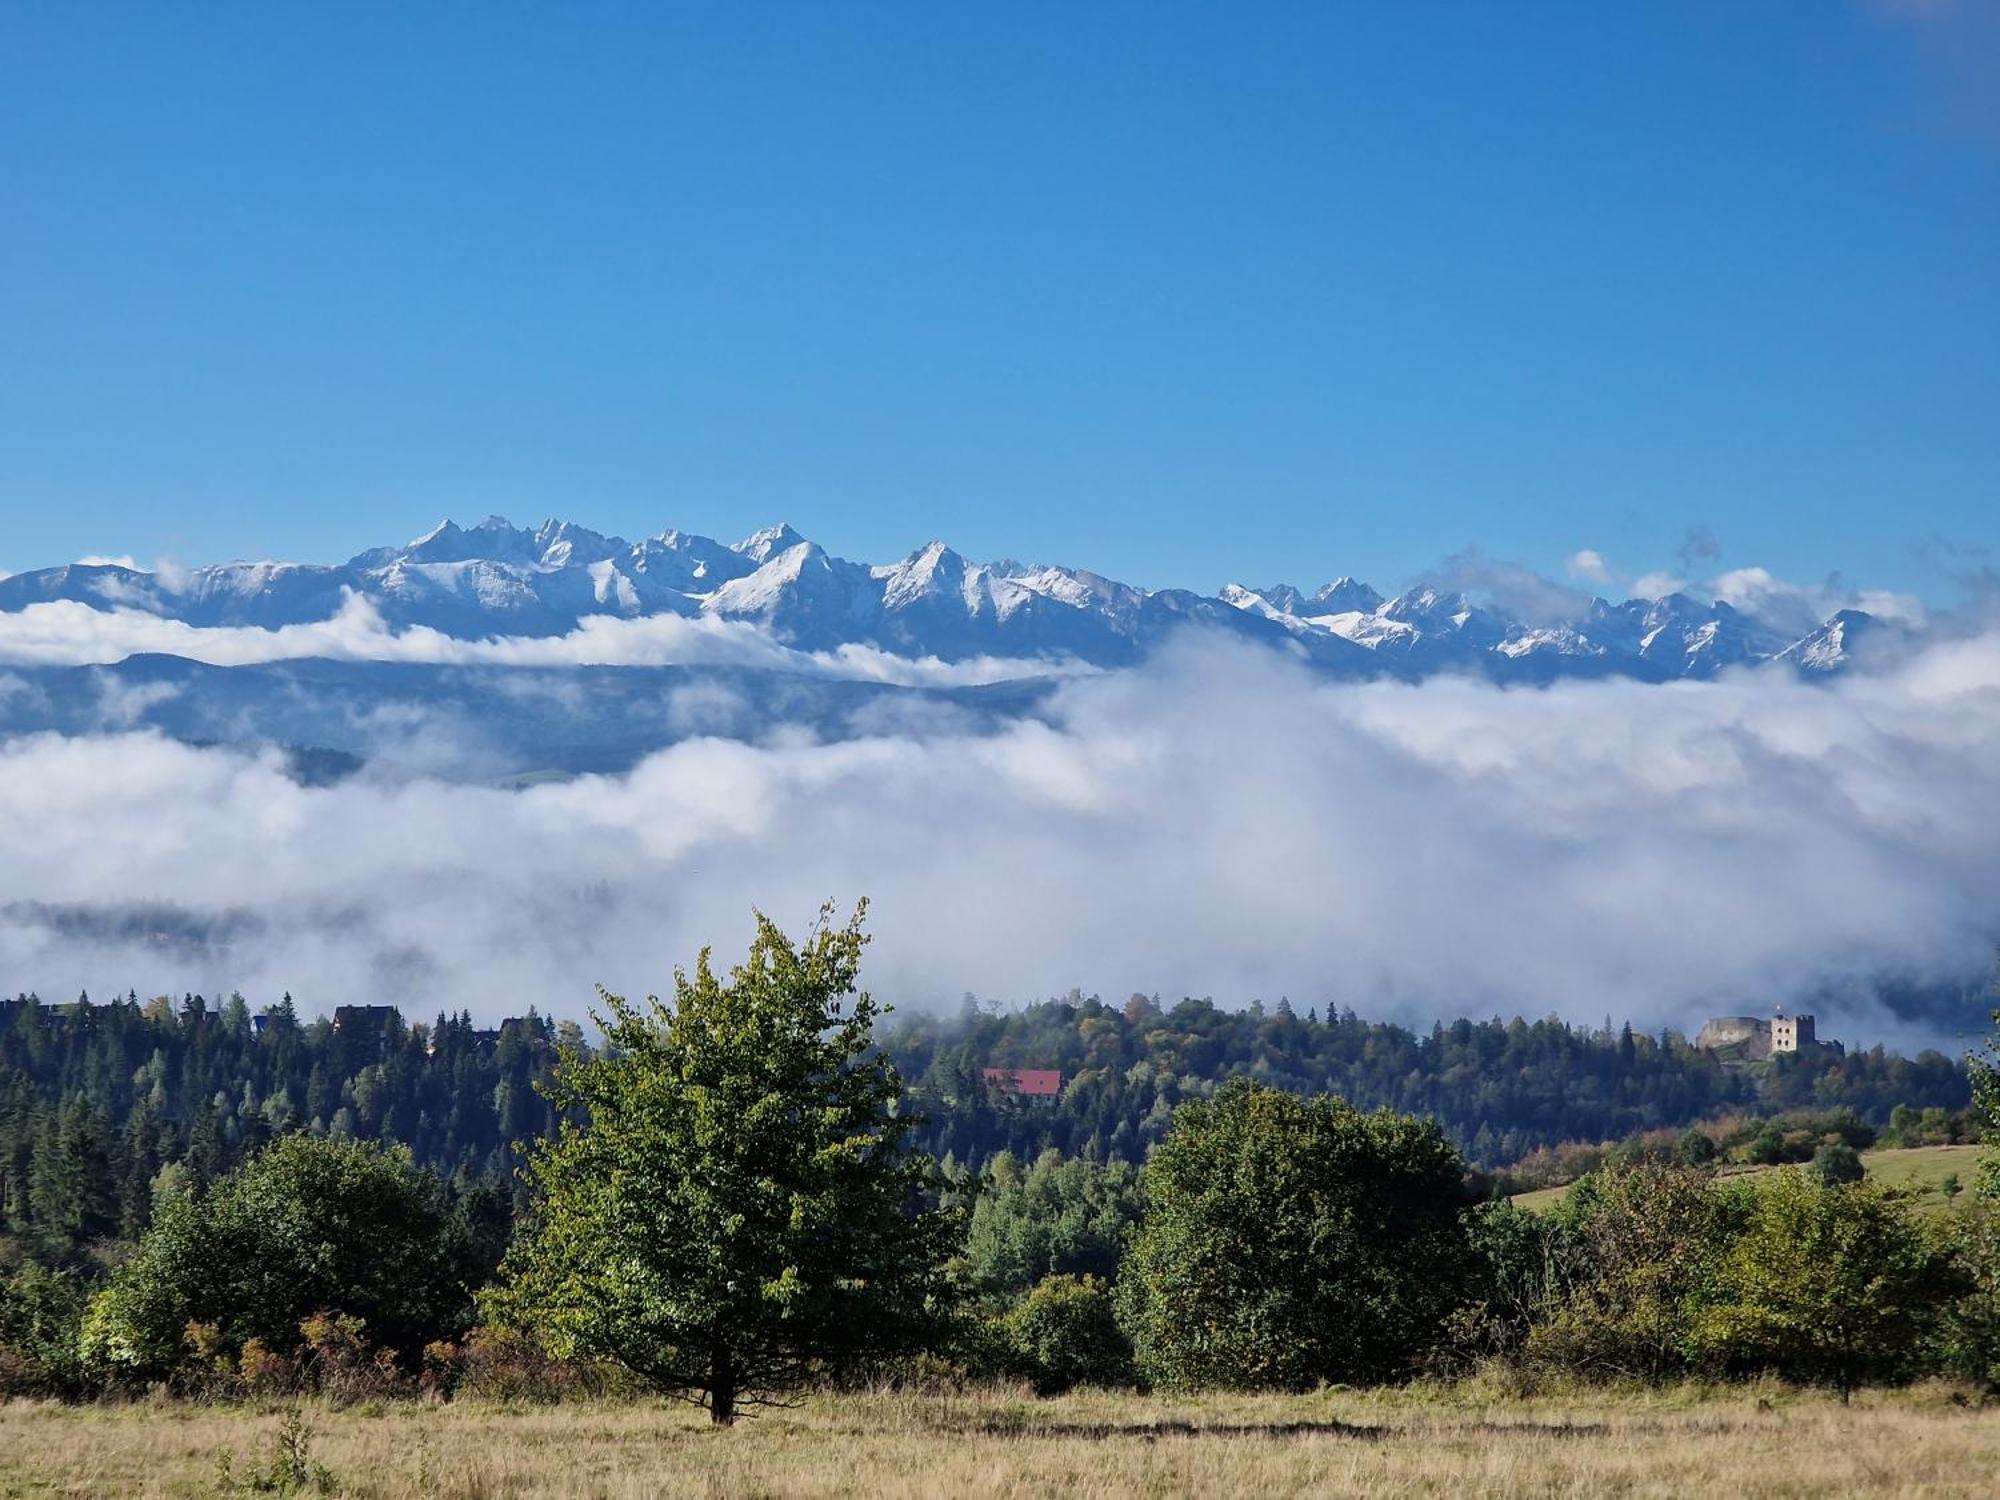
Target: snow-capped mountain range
[[495, 579]]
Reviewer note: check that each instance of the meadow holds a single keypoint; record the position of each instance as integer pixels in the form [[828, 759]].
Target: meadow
[[1920, 1170], [1761, 1440]]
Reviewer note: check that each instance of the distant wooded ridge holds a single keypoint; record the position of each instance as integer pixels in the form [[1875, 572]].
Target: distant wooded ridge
[[118, 1090]]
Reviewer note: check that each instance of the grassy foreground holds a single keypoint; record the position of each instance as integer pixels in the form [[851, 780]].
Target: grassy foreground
[[1756, 1441], [1921, 1169]]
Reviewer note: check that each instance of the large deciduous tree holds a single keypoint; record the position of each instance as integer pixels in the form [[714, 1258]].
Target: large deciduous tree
[[730, 1207], [1291, 1241]]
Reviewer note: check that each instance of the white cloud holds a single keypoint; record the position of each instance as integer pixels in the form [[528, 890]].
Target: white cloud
[[1220, 822], [1657, 585], [1801, 607], [1514, 590], [1588, 564], [123, 560], [68, 633]]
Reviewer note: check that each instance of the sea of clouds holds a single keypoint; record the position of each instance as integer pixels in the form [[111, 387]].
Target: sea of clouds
[[1219, 822]]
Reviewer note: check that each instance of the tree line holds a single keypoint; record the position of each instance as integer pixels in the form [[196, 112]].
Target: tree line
[[730, 1199], [96, 1098], [1498, 1089]]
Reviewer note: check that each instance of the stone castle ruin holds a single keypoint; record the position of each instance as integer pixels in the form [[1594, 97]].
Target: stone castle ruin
[[1753, 1038]]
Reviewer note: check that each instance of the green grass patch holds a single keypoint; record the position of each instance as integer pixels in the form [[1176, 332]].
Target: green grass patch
[[1921, 1169]]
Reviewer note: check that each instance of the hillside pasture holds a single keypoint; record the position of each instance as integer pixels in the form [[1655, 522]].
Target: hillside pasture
[[1918, 1169]]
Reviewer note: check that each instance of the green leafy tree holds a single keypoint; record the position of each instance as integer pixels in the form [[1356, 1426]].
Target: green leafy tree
[[1291, 1241], [1508, 1289], [1834, 1284], [1065, 1333], [40, 1312], [1836, 1163], [1984, 1067], [1695, 1148], [730, 1207], [1969, 1340], [310, 1226], [1061, 1216], [1631, 1251]]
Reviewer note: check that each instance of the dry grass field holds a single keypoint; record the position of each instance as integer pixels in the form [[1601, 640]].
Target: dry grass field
[[1762, 1441], [1921, 1169]]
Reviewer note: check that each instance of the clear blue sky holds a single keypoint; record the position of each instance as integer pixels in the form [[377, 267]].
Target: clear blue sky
[[1183, 293]]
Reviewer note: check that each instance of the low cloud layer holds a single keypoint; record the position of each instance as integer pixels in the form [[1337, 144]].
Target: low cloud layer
[[65, 633], [1220, 822]]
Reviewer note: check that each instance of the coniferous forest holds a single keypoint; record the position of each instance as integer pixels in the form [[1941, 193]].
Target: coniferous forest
[[96, 1098]]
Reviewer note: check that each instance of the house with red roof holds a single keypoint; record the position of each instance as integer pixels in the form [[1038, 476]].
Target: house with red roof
[[1041, 1084]]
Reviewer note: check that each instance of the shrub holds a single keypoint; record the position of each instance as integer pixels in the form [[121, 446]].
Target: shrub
[[339, 1363], [513, 1364], [1836, 1163], [1509, 1285], [1631, 1248], [1833, 1284], [40, 1313], [265, 1374], [1290, 1241], [1695, 1148], [1968, 1335], [310, 1227], [1065, 1333]]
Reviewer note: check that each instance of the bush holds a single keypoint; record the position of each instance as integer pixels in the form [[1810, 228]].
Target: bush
[[339, 1363], [40, 1313], [1065, 1333], [263, 1374], [1289, 1242], [1631, 1249], [1509, 1286], [1695, 1148], [1829, 1284], [1836, 1163], [513, 1364], [1968, 1336], [310, 1229]]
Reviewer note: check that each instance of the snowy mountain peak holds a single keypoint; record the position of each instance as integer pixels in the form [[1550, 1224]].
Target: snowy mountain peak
[[495, 579], [1345, 594], [492, 540], [562, 544], [1832, 646], [763, 545], [932, 570], [1424, 603], [446, 530]]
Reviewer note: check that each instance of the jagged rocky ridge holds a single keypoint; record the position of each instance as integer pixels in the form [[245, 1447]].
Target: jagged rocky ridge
[[496, 579]]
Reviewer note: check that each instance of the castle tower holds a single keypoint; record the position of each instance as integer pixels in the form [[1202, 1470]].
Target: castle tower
[[1791, 1033]]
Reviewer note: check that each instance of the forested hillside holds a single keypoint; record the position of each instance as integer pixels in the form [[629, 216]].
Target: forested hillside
[[96, 1098], [1500, 1089]]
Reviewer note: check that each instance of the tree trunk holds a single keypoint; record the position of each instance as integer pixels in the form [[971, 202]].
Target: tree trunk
[[721, 1387]]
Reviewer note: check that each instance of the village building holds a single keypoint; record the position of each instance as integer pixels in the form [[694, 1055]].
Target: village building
[[1043, 1085]]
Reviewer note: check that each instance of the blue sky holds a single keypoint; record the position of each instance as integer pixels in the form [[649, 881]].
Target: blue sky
[[1182, 293]]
